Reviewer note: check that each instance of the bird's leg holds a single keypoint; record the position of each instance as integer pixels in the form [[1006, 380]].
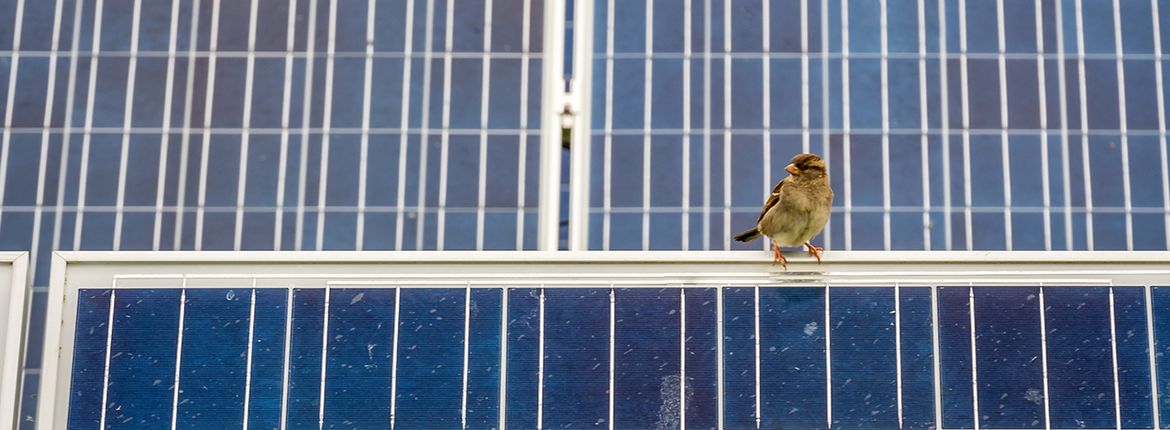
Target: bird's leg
[[816, 252], [777, 257]]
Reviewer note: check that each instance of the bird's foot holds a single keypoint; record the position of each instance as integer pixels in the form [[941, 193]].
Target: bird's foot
[[816, 252], [777, 257]]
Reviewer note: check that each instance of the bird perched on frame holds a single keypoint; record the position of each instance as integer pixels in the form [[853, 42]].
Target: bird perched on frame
[[797, 209]]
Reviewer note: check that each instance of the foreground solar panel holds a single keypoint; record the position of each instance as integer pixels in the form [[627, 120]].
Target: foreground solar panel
[[536, 340]]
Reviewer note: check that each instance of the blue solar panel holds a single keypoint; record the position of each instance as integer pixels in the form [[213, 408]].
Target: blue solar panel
[[581, 357]]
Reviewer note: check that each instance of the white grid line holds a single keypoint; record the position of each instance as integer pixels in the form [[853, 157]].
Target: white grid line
[[685, 232], [522, 154], [766, 115], [466, 351], [242, 182], [106, 366], [682, 357], [485, 96], [1084, 103], [974, 357], [428, 59], [945, 123], [1113, 356], [394, 357], [1044, 360], [756, 342], [607, 144], [964, 95], [248, 360], [706, 131], [846, 138], [647, 108], [885, 100], [178, 357], [1151, 347], [1123, 125], [727, 125], [324, 360], [924, 125], [828, 362], [208, 105], [364, 155], [540, 363], [1064, 157], [612, 389], [1165, 164], [1005, 150], [898, 347], [86, 137], [326, 126], [825, 102], [286, 104], [286, 361], [306, 116], [445, 135], [719, 397], [404, 121], [935, 352], [805, 144], [503, 415]]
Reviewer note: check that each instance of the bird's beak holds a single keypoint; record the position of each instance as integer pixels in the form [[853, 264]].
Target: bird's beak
[[792, 169]]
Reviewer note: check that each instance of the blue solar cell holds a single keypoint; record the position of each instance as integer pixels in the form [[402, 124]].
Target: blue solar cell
[[358, 372], [746, 100], [1133, 366], [430, 356], [739, 376], [955, 357], [142, 359], [576, 374], [1080, 367], [523, 379], [863, 368], [1160, 300], [268, 359], [304, 379], [1007, 326], [89, 352], [792, 357], [483, 360], [917, 358], [646, 353], [215, 344], [667, 109], [701, 358]]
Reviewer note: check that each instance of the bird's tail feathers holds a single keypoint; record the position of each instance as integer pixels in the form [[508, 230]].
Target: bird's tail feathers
[[749, 235]]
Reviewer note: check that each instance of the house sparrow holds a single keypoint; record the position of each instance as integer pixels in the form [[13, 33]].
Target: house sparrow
[[797, 210]]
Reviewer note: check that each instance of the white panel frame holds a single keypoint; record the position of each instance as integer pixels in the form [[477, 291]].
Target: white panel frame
[[14, 312], [72, 271]]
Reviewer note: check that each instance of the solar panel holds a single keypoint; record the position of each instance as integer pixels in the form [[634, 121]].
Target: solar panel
[[558, 340], [946, 124]]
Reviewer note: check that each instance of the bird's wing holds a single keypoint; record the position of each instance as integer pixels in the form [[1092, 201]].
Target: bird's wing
[[773, 199]]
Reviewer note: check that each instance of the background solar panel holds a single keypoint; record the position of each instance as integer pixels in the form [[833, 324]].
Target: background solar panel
[[946, 124], [140, 125]]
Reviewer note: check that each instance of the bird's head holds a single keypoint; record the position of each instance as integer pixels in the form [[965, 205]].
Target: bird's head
[[806, 166]]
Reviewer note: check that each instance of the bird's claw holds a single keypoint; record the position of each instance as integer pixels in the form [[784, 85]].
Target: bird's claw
[[816, 252], [777, 257]]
